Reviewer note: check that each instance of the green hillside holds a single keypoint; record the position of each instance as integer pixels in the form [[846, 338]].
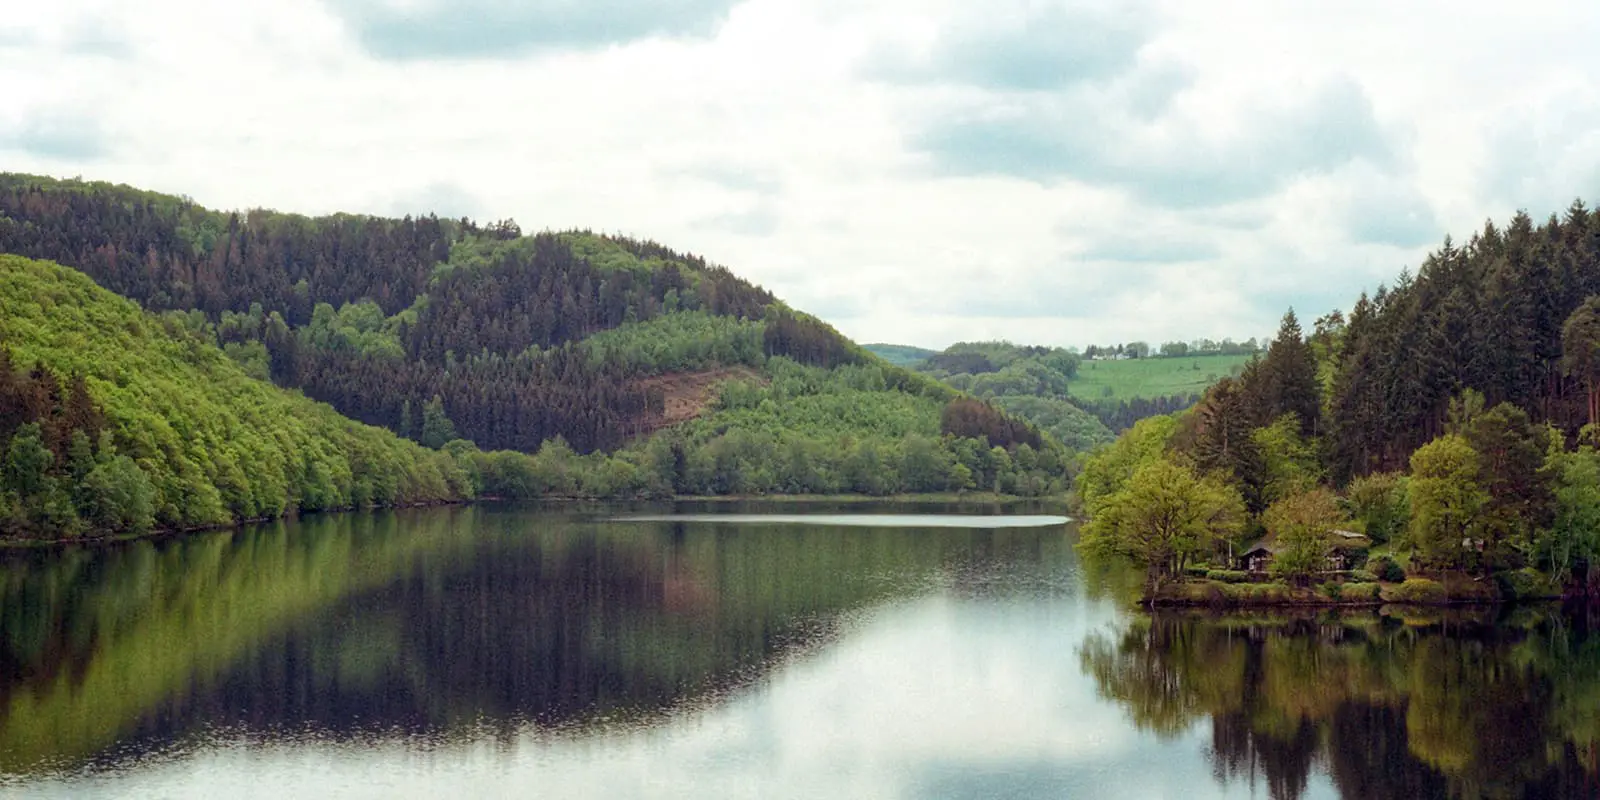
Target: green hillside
[[564, 364], [1080, 402], [1147, 378], [901, 355], [115, 420]]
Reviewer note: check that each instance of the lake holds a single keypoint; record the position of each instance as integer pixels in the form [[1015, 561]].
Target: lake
[[738, 650]]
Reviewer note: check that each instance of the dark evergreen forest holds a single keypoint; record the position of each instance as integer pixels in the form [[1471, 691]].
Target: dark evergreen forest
[[1451, 417], [380, 317]]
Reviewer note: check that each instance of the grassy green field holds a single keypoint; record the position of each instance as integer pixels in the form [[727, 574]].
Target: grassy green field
[[1152, 377]]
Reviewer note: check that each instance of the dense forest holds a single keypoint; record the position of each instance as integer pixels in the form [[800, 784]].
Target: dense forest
[[1450, 417], [112, 420], [380, 316], [562, 364]]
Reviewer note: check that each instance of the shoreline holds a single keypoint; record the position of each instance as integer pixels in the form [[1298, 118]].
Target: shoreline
[[92, 538], [1452, 591], [986, 498]]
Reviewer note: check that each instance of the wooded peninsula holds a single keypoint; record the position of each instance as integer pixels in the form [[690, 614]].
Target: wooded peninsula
[[1436, 445]]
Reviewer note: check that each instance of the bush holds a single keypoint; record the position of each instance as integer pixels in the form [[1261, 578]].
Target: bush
[[1526, 584], [1387, 569], [1331, 590], [1361, 576], [1273, 592], [1228, 576], [1361, 592], [1197, 571], [1218, 595], [1417, 590]]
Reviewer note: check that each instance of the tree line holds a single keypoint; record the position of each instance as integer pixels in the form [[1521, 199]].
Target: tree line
[[1451, 413], [113, 420], [382, 317]]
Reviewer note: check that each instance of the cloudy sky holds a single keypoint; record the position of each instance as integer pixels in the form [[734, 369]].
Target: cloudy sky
[[916, 171]]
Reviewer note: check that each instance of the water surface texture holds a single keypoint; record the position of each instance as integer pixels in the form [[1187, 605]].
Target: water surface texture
[[635, 652]]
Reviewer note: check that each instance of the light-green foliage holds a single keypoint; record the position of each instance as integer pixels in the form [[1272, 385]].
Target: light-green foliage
[[215, 444], [865, 428], [678, 342], [1289, 461], [1072, 426], [1301, 526], [1416, 590], [1164, 517], [1153, 377], [354, 328], [1575, 535], [899, 355], [1447, 499], [1108, 470]]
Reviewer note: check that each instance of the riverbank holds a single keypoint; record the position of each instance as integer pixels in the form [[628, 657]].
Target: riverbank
[[1444, 590], [100, 537], [967, 498], [980, 498]]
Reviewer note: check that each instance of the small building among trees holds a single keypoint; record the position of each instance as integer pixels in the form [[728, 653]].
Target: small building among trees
[[1344, 552]]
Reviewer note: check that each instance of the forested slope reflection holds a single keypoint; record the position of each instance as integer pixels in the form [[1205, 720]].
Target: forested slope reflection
[[426, 622], [1436, 704]]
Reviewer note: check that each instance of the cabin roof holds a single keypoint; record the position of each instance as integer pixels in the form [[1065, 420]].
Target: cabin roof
[[1262, 546]]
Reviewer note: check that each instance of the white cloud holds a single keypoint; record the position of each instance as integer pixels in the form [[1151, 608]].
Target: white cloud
[[765, 136], [929, 696]]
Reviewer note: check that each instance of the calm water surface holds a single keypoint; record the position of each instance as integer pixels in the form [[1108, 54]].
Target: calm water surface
[[719, 652]]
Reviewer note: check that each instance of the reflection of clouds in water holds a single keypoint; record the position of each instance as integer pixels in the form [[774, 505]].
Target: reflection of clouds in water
[[931, 697]]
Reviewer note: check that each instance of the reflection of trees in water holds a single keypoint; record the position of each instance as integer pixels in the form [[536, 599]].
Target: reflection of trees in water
[[1240, 751], [430, 623], [1445, 706]]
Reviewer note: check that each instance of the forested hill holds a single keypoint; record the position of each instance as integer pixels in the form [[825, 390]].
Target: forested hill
[[113, 420], [378, 316], [441, 329], [899, 354], [1452, 417], [1082, 399]]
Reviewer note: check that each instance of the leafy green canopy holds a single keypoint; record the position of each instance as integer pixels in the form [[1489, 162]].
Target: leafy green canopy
[[215, 445]]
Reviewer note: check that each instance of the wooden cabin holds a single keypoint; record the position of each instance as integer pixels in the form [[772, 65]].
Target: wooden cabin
[[1347, 549], [1257, 557]]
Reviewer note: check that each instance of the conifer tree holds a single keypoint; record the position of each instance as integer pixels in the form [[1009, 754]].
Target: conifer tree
[[1289, 376]]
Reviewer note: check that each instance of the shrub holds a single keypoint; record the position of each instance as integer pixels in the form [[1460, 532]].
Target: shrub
[[1387, 569], [1207, 593], [1196, 571], [1361, 576], [1331, 590], [1228, 576], [1361, 592], [1273, 592], [1417, 590], [1525, 584]]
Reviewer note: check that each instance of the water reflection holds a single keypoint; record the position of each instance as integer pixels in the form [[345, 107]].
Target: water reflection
[[497, 651], [1401, 704], [443, 624]]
